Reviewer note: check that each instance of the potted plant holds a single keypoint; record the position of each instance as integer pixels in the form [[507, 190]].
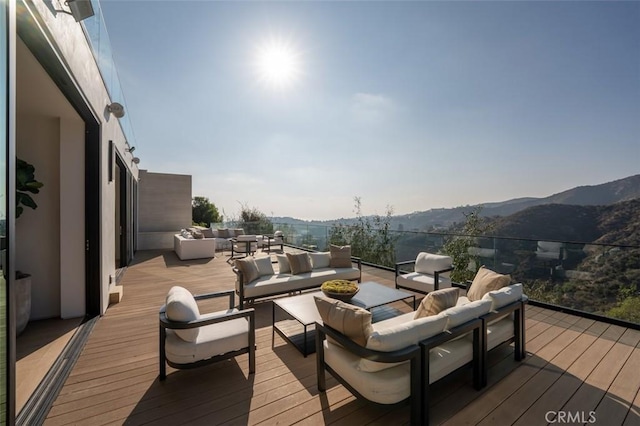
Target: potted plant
[[26, 183]]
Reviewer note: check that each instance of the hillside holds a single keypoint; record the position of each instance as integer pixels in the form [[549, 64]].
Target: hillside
[[590, 195]]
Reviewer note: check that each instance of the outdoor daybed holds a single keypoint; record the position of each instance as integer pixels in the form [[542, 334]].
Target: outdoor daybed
[[256, 278]]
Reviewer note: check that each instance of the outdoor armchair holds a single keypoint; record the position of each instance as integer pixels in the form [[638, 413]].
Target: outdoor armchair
[[189, 339], [431, 272], [273, 241]]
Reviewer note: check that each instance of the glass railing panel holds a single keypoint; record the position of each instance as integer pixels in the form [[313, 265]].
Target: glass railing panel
[[96, 33]]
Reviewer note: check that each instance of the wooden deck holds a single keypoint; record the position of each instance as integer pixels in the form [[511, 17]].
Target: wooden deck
[[575, 366]]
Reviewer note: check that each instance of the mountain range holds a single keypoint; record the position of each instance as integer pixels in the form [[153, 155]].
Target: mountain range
[[440, 219]]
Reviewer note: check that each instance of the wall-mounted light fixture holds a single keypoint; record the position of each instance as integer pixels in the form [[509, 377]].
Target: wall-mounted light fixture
[[80, 9], [115, 108], [133, 148], [135, 160]]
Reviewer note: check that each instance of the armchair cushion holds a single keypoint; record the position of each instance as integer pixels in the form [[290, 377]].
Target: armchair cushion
[[248, 268], [504, 296], [427, 263], [340, 256], [182, 307], [352, 321], [437, 301], [300, 263], [213, 339], [238, 231], [320, 260], [485, 281]]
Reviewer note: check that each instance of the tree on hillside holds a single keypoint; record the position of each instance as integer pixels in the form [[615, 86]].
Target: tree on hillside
[[458, 246], [253, 221], [370, 237], [204, 212]]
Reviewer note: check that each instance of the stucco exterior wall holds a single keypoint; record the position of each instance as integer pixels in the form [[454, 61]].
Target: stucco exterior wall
[[164, 208], [67, 38]]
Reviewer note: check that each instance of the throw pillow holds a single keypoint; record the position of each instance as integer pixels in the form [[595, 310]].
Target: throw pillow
[[264, 266], [197, 234], [208, 233], [340, 256], [352, 321], [485, 281], [248, 268], [238, 231], [320, 260], [181, 306], [300, 263], [223, 233], [437, 301], [283, 264]]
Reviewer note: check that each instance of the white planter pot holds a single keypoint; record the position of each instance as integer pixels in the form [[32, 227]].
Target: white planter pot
[[22, 292]]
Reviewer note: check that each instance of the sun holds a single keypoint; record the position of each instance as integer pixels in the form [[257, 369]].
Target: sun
[[277, 64]]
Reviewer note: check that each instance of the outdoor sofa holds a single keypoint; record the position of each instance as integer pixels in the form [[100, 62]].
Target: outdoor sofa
[[396, 360], [256, 278]]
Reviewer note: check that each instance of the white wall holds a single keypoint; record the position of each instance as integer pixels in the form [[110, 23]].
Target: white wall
[[68, 40]]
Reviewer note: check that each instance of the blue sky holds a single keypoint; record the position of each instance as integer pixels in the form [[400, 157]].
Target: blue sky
[[414, 105]]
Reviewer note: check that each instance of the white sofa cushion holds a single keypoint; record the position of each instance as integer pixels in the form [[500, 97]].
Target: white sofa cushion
[[504, 296], [449, 357], [485, 281], [459, 315], [182, 307], [387, 386], [428, 263], [437, 301], [320, 260], [213, 339], [392, 335]]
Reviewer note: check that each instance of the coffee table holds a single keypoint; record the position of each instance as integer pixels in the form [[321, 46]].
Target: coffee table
[[301, 312]]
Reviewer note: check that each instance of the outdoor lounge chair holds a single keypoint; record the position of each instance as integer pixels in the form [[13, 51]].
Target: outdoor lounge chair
[[189, 340], [277, 240], [431, 272]]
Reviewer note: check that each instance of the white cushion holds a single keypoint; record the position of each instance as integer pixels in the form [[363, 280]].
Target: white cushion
[[213, 339], [264, 266], [459, 315], [182, 307], [387, 337], [320, 260], [384, 387], [504, 296], [448, 357], [422, 282], [285, 282], [427, 263], [245, 238]]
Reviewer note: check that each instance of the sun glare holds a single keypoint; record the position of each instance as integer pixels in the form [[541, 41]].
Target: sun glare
[[277, 64]]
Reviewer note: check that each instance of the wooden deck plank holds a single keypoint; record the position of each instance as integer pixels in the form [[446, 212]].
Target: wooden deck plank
[[115, 379]]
